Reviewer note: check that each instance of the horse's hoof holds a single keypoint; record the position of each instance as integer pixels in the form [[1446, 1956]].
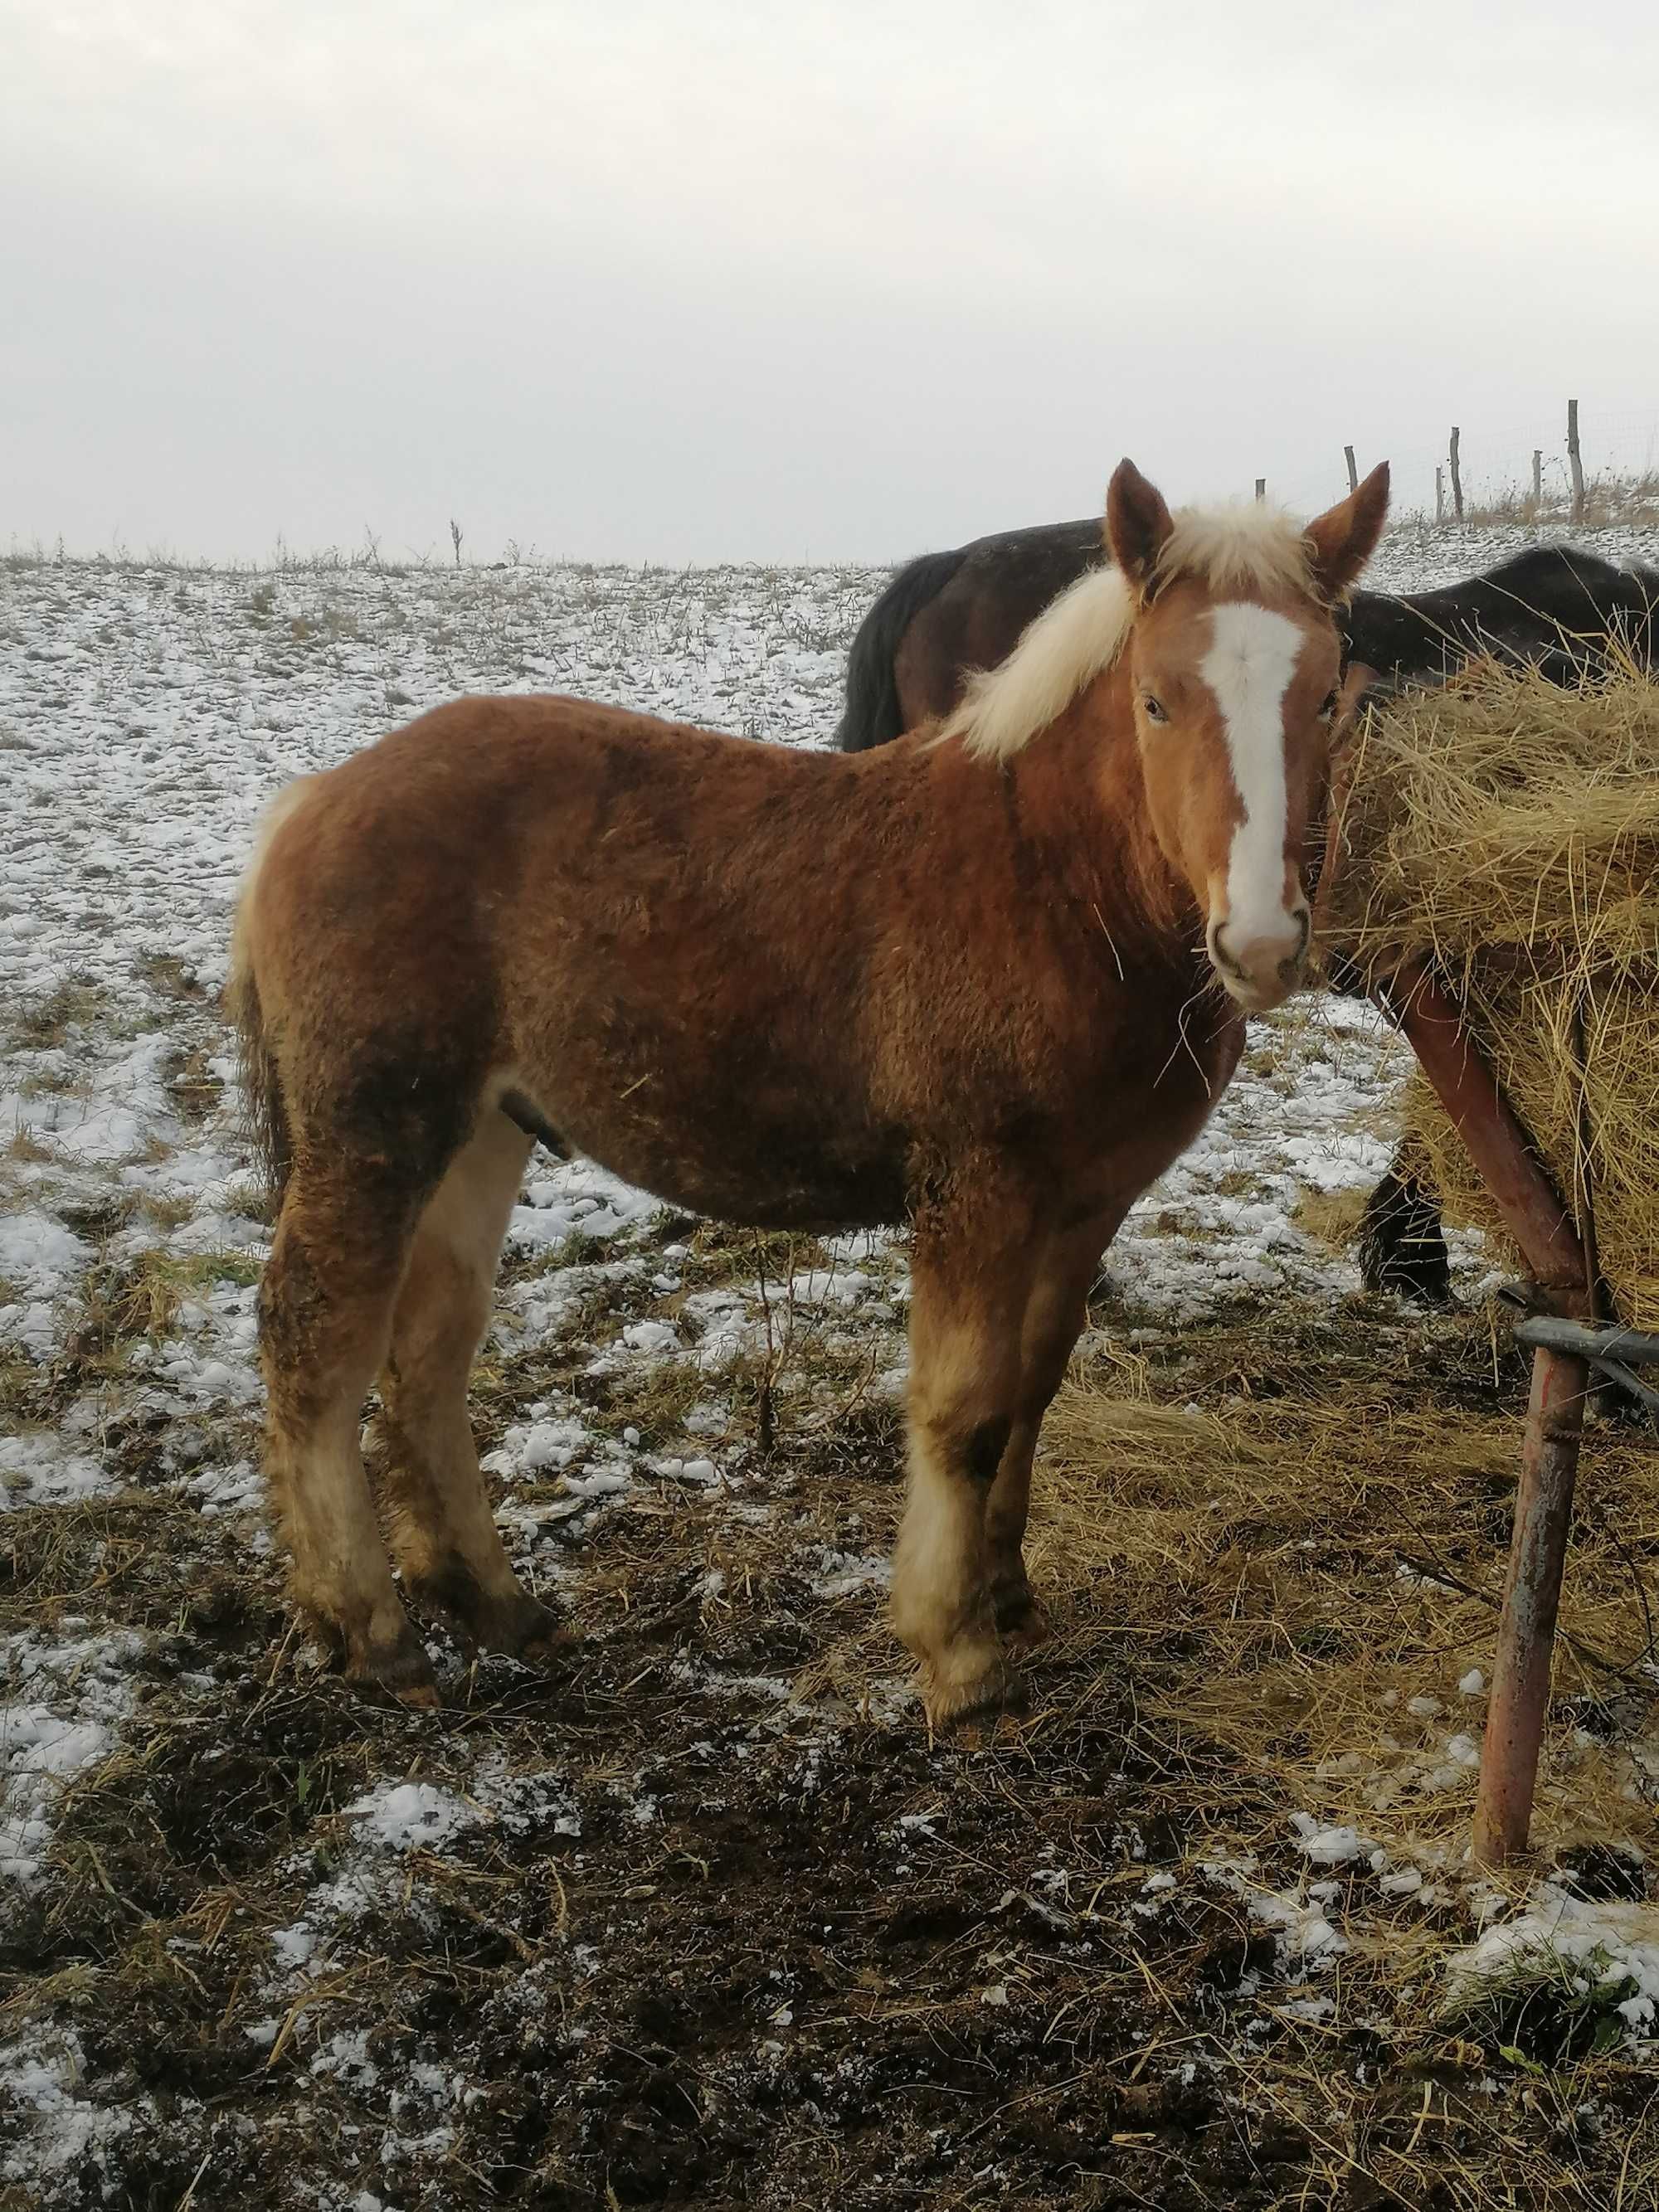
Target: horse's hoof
[[510, 1621], [399, 1668], [1022, 1622], [555, 1644], [521, 1627], [419, 1697], [963, 1699]]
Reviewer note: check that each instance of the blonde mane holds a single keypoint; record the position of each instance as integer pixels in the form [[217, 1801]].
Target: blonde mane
[[1245, 548]]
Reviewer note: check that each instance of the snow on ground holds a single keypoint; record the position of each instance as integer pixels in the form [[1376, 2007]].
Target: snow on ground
[[1600, 1949], [147, 712], [61, 1704]]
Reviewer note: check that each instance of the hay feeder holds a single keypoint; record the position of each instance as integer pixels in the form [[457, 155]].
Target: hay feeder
[[1385, 920]]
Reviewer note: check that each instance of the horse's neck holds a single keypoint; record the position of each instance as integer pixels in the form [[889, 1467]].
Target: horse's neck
[[1063, 883], [1081, 781]]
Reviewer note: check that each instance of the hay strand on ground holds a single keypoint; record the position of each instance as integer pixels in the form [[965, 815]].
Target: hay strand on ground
[[1321, 1561]]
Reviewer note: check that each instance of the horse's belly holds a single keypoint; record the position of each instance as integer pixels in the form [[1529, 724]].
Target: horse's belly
[[763, 1176]]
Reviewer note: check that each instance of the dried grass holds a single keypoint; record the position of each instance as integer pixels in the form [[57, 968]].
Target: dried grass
[[1314, 1564], [1511, 829]]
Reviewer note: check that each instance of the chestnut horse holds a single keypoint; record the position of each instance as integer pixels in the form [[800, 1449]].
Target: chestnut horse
[[1552, 607], [989, 980]]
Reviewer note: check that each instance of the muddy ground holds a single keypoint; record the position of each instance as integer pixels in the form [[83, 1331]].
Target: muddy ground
[[702, 1917]]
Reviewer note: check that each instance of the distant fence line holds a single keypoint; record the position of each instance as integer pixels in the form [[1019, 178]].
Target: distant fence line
[[1521, 483]]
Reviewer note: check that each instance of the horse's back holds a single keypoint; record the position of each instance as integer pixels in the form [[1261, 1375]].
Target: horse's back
[[1549, 606], [616, 917], [944, 614], [441, 844], [1000, 586]]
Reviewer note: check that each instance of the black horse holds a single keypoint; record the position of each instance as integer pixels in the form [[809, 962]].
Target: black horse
[[947, 614], [1551, 607]]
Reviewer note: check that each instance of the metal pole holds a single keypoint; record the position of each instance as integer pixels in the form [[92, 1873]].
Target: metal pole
[[1544, 1229], [1532, 1599]]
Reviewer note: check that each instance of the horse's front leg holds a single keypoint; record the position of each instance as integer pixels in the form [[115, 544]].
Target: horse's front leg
[[969, 1285], [1055, 1316]]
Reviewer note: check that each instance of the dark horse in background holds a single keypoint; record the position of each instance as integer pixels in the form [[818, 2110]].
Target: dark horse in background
[[1553, 606]]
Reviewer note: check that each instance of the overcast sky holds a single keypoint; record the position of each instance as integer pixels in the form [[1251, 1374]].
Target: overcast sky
[[766, 279]]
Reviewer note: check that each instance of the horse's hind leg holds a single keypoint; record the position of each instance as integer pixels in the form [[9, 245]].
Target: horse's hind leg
[[421, 1455], [1401, 1244], [1055, 1318], [968, 1294], [324, 1320]]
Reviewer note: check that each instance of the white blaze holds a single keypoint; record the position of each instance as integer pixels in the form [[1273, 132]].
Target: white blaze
[[1248, 667]]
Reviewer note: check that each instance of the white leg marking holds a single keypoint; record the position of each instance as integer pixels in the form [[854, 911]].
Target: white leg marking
[[1248, 667]]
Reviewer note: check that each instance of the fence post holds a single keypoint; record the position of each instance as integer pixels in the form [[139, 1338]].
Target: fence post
[[1576, 464], [1353, 473], [1261, 487], [1457, 476], [1537, 476], [1439, 495]]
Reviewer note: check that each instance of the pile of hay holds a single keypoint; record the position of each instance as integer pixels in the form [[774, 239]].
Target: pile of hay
[[1511, 829], [1304, 1582]]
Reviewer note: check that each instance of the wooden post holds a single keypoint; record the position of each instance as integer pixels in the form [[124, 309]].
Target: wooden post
[[1538, 475], [1439, 495], [1574, 462], [1535, 1216], [1533, 1210], [1261, 487], [1456, 478], [1353, 473]]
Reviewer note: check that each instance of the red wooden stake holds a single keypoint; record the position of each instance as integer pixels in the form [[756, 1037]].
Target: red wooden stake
[[1532, 1209]]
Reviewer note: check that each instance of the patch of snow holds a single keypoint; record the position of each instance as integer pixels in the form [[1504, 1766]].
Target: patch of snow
[[408, 1816], [40, 1469], [1600, 1945], [1330, 1846], [77, 1694], [61, 2129], [1304, 1933]]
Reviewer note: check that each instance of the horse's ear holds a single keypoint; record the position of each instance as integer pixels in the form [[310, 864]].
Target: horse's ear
[[1342, 540], [1137, 525]]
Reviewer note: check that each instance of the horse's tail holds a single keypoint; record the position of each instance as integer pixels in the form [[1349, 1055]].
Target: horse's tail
[[265, 1107], [874, 715]]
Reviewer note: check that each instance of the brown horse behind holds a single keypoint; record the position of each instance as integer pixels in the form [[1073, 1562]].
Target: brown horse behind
[[987, 980]]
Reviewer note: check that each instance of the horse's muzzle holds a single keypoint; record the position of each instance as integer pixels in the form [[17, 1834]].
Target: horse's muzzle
[[1261, 970]]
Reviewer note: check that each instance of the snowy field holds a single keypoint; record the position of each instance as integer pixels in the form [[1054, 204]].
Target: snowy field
[[207, 1853]]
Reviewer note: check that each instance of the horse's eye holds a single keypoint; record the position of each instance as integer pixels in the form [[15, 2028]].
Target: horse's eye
[[1332, 700], [1153, 708]]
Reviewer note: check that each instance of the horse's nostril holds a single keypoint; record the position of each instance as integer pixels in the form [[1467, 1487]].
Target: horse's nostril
[[1270, 954], [1220, 954]]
